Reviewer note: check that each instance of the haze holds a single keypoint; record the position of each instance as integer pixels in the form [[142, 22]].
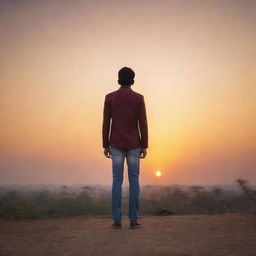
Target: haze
[[194, 63]]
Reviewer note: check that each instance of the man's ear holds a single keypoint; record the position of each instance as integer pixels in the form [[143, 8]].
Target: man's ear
[[118, 81], [132, 82]]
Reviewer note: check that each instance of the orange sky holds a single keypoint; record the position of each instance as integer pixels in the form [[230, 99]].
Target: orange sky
[[194, 63]]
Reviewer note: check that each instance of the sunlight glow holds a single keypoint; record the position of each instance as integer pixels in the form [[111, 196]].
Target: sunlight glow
[[158, 173]]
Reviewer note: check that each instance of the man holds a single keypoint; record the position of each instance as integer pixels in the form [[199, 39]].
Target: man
[[125, 135]]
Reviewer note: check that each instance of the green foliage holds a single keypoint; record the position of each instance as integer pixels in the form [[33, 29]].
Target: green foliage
[[18, 204], [18, 212], [163, 212]]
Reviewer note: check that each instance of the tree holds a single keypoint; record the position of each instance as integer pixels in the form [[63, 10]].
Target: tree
[[244, 186]]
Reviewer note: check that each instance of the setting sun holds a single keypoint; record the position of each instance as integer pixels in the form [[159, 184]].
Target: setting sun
[[158, 173]]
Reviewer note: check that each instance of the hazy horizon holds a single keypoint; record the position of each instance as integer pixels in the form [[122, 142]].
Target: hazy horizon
[[194, 63]]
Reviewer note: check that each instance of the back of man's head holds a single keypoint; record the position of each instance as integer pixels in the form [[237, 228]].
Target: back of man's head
[[126, 76]]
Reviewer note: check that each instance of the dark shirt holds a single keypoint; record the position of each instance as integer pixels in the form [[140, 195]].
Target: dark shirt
[[124, 120]]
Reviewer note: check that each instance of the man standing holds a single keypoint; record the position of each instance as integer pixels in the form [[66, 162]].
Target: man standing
[[125, 135]]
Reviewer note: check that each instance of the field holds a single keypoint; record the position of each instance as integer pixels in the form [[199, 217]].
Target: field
[[227, 234]]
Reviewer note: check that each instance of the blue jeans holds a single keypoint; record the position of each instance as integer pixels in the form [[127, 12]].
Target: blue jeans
[[133, 163]]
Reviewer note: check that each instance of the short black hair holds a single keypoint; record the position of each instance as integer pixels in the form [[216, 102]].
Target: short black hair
[[126, 76]]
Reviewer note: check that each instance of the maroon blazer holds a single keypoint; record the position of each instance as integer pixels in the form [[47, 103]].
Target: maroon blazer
[[125, 110]]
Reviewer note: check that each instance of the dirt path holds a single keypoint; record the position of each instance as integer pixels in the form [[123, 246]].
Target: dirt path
[[221, 235]]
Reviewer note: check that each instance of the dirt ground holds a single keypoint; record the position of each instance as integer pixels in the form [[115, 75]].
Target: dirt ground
[[192, 235]]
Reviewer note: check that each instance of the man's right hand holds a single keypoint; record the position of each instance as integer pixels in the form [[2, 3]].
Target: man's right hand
[[107, 152], [143, 153]]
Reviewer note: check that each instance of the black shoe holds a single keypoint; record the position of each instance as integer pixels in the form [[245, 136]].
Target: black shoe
[[116, 224], [134, 224]]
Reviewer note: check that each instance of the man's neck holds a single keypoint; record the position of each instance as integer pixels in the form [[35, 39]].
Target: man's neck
[[125, 87]]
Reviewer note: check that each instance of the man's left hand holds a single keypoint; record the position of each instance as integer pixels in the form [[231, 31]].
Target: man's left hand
[[143, 153]]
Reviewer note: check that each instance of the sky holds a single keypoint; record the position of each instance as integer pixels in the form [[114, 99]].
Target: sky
[[194, 63]]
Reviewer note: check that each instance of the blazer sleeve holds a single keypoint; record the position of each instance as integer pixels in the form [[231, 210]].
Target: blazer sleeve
[[106, 123], [143, 126]]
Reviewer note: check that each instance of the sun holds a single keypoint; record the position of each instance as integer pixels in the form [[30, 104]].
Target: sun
[[158, 173]]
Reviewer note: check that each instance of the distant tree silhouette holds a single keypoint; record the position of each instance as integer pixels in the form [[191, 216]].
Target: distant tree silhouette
[[159, 200], [196, 189], [217, 191], [244, 186]]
